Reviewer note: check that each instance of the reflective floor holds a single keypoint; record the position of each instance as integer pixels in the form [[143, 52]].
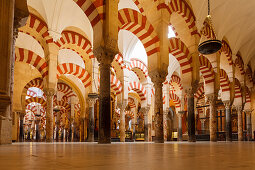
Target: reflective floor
[[200, 155]]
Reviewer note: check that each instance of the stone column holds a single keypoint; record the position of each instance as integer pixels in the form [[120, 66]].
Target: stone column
[[240, 123], [228, 121], [82, 137], [57, 126], [202, 124], [248, 124], [91, 125], [159, 131], [122, 107], [49, 114], [37, 133], [145, 111], [180, 115], [191, 116], [105, 57], [21, 127], [213, 121]]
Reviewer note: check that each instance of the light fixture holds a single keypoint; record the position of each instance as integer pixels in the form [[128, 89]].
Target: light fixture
[[212, 45]]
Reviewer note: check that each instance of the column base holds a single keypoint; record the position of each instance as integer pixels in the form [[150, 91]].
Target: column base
[[5, 130], [159, 141]]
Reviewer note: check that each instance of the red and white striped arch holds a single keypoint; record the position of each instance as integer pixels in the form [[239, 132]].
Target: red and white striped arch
[[227, 51], [240, 64], [176, 99], [224, 81], [29, 57], [200, 91], [135, 63], [207, 70], [31, 93], [138, 88], [138, 4], [119, 59], [177, 80], [178, 49], [73, 69], [63, 104], [181, 7], [38, 29], [249, 79], [76, 42], [238, 93], [131, 102], [93, 9], [138, 24], [116, 85], [39, 100], [248, 95], [67, 90], [37, 82]]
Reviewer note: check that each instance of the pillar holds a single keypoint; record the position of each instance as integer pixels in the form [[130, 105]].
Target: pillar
[[122, 120], [57, 125], [228, 121], [91, 125], [37, 127], [21, 127], [82, 137], [158, 77], [180, 115], [240, 123], [213, 121], [145, 111], [248, 124], [49, 114], [191, 116]]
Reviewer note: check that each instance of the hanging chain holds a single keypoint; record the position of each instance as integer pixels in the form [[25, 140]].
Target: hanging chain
[[208, 7]]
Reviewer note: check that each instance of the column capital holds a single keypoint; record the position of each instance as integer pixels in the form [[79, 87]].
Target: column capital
[[180, 113], [104, 55], [49, 92], [158, 77], [227, 104], [122, 105], [211, 98], [145, 110], [248, 111], [92, 98]]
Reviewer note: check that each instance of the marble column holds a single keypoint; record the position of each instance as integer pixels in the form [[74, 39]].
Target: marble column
[[213, 120], [145, 111], [180, 115], [91, 125], [21, 126], [105, 57], [203, 124], [191, 116], [49, 114], [82, 137], [159, 131], [57, 126], [240, 122], [248, 124], [37, 133], [122, 120], [228, 121]]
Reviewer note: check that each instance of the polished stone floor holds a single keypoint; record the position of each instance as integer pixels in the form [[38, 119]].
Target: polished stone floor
[[134, 156]]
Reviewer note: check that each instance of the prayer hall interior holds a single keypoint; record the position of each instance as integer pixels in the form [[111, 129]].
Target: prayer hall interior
[[123, 84]]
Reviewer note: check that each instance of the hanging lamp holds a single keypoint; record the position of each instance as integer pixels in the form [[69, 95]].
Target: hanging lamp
[[212, 45]]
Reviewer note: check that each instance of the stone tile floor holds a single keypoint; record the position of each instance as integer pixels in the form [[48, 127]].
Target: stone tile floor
[[135, 156]]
